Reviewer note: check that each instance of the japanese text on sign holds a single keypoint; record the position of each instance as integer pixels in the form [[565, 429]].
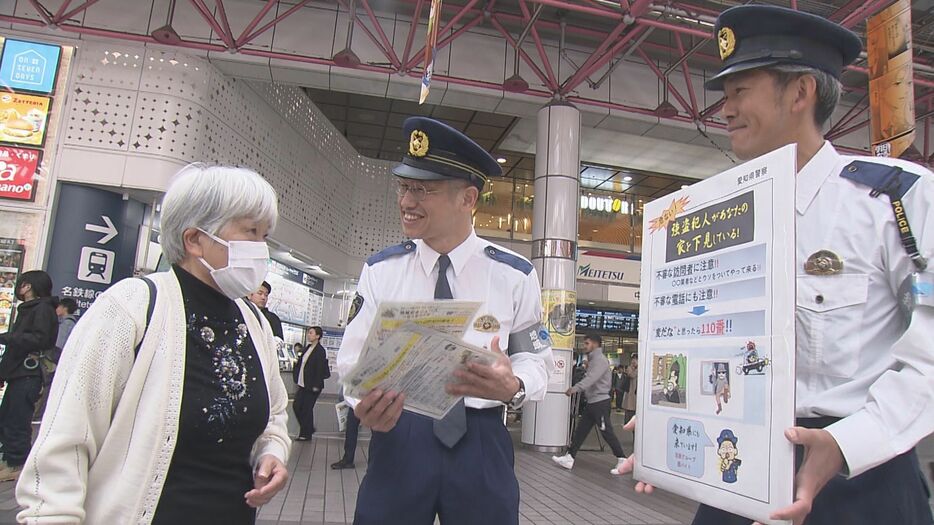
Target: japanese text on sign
[[725, 224], [687, 441], [741, 324]]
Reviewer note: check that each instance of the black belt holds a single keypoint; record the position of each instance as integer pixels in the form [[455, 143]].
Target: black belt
[[816, 422], [495, 410]]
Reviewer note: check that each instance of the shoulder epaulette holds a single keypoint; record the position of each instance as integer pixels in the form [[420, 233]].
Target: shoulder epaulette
[[515, 261], [890, 180], [894, 182], [392, 251]]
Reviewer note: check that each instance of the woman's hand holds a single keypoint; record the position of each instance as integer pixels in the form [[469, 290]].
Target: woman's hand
[[268, 479]]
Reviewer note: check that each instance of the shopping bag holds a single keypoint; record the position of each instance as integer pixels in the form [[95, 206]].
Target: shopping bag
[[341, 408]]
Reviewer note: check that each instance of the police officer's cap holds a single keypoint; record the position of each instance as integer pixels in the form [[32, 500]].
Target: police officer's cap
[[437, 151], [755, 36], [727, 435]]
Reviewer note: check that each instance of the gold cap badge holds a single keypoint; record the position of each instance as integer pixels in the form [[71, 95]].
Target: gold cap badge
[[418, 144], [726, 40]]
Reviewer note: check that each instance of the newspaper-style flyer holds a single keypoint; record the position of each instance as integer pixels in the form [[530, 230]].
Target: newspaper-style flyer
[[419, 362]]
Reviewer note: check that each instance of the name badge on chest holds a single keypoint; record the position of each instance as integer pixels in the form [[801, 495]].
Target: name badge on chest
[[823, 262], [487, 324]]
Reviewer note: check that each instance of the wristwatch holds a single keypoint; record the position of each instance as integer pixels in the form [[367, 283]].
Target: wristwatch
[[519, 398]]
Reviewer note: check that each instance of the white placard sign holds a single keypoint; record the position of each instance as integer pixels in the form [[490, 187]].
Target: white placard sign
[[717, 339]]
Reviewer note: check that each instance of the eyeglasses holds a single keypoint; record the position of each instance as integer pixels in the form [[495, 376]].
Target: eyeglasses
[[418, 191]]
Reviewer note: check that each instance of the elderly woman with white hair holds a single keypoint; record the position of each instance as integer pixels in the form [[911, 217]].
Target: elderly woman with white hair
[[171, 411]]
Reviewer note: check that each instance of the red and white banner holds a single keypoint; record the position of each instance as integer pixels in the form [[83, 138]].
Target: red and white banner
[[18, 167]]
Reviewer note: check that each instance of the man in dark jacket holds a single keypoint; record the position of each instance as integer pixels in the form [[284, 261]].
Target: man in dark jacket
[[260, 298], [309, 374], [34, 330]]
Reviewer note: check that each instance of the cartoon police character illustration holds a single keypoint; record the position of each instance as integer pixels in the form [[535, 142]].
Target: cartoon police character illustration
[[721, 385], [727, 451]]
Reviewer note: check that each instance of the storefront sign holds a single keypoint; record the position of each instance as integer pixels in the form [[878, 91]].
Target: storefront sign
[[17, 173], [29, 66], [23, 118], [604, 204], [608, 268], [622, 294], [93, 243], [296, 276]]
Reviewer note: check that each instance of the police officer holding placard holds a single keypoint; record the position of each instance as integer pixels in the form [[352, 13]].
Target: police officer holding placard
[[865, 294]]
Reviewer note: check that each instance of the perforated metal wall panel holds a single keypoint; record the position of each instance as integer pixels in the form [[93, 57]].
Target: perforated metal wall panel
[[149, 103]]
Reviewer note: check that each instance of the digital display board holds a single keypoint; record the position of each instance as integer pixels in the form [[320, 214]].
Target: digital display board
[[591, 319]]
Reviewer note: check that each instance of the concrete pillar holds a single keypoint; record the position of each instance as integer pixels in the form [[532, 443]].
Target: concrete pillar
[[545, 424]]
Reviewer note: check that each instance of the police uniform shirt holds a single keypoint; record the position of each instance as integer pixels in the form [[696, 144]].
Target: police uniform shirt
[[857, 357], [506, 286]]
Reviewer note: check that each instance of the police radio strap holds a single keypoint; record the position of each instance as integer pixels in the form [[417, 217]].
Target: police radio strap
[[890, 188]]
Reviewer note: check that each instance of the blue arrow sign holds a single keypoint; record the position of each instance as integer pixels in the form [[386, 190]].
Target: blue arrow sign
[[699, 310]]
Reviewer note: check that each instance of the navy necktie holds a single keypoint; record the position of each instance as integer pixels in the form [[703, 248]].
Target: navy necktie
[[454, 425]]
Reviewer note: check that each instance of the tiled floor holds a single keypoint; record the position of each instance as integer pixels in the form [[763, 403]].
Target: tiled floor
[[588, 494]]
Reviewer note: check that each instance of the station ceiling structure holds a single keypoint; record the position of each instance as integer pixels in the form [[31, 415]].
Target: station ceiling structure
[[669, 37], [373, 125]]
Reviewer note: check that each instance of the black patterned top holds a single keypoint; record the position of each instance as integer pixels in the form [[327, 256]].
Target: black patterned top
[[225, 408]]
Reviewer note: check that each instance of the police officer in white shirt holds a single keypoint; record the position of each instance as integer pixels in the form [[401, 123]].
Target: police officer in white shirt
[[459, 469], [865, 228]]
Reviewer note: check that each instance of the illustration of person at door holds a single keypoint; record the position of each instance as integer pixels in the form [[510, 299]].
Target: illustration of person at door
[[721, 382]]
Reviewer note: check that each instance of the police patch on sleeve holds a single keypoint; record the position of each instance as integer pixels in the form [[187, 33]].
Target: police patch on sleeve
[[355, 307]]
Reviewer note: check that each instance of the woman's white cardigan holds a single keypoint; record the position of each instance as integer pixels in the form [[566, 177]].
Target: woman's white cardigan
[[110, 427]]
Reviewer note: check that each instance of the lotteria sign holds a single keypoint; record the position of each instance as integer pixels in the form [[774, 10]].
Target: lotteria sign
[[18, 168]]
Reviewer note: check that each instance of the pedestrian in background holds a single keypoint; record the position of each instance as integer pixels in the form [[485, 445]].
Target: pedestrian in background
[[66, 309], [595, 386], [33, 332], [631, 387], [620, 382], [309, 376], [351, 432], [260, 298]]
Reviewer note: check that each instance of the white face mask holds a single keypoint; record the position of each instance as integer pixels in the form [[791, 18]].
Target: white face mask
[[246, 267]]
